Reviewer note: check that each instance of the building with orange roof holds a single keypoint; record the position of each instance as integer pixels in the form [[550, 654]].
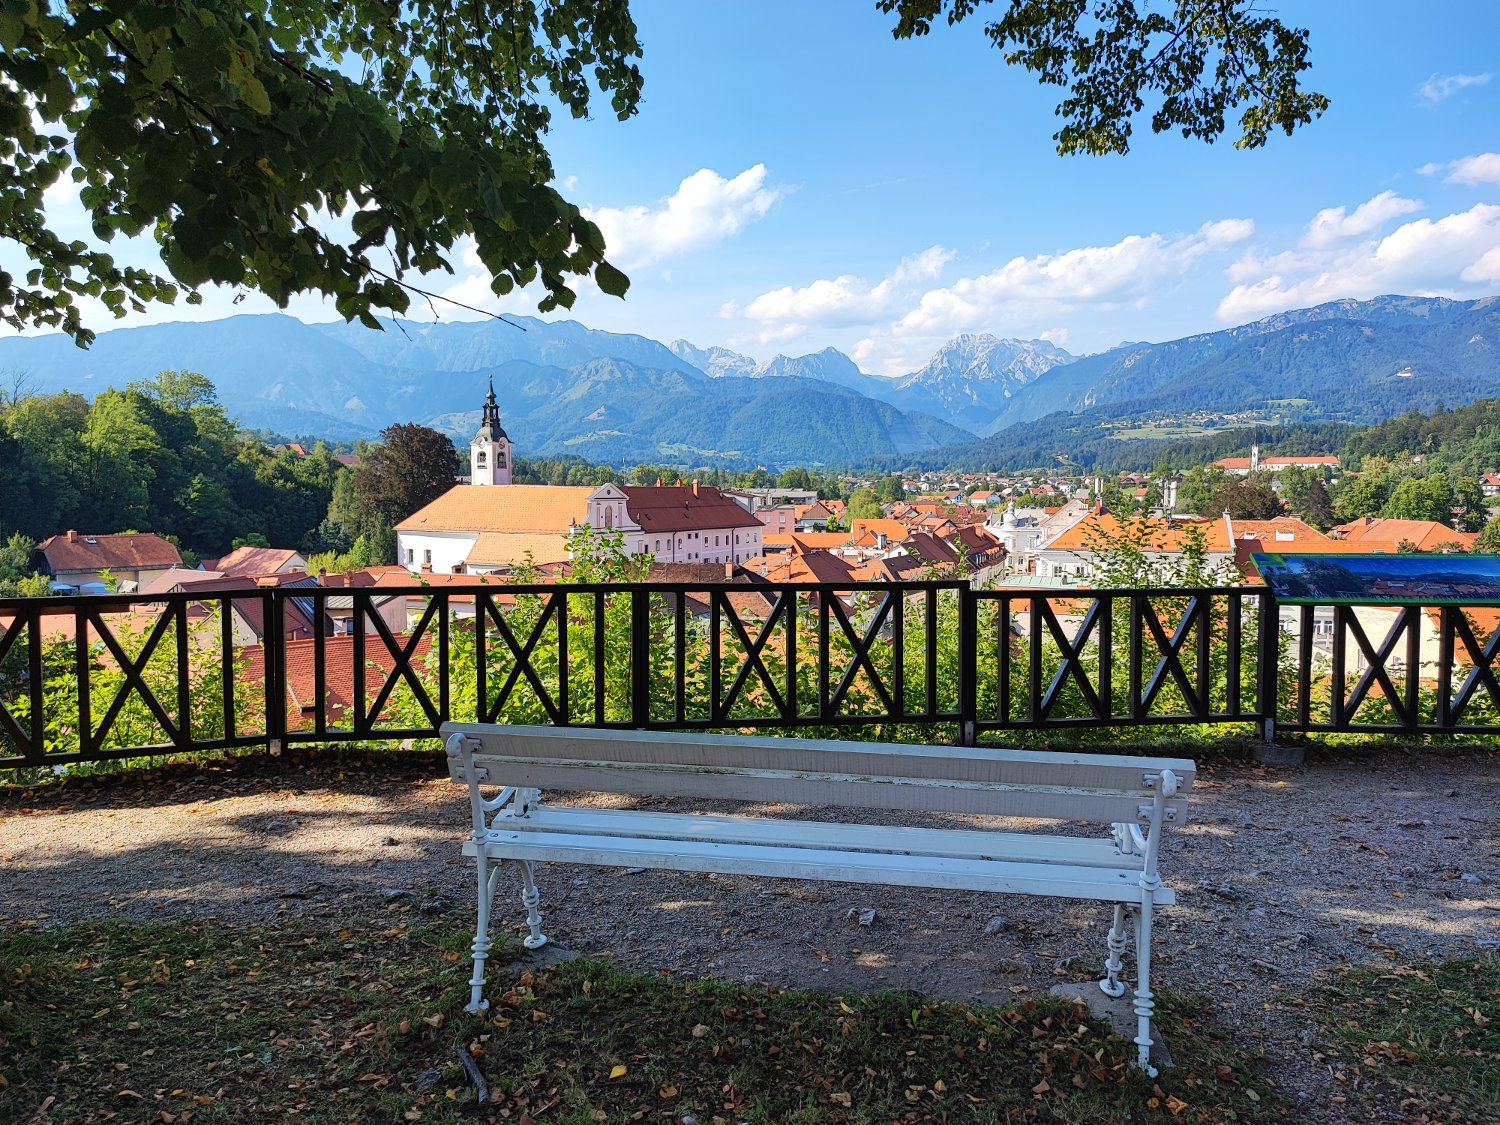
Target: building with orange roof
[[77, 562], [252, 562], [812, 540], [1377, 535], [539, 518], [1273, 463], [868, 533], [1072, 554]]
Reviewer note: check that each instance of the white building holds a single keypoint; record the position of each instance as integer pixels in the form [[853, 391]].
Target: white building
[[490, 451], [677, 523], [480, 528]]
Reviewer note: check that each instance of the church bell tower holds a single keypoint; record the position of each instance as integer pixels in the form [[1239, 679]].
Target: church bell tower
[[489, 452]]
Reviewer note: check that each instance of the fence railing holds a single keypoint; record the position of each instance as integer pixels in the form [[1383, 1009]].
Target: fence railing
[[93, 678]]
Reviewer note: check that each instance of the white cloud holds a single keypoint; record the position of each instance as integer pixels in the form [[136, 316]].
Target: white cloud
[[705, 209], [1442, 86], [840, 301], [1028, 296], [1333, 225], [1444, 256], [1483, 168]]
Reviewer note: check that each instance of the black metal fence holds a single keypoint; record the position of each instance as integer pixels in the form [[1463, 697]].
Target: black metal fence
[[94, 678]]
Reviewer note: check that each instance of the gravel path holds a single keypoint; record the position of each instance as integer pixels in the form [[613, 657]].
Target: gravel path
[[1282, 877]]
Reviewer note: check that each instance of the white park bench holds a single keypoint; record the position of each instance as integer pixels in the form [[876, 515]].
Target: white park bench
[[1134, 798]]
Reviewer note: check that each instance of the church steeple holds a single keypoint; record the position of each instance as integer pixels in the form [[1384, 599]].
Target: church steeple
[[489, 452]]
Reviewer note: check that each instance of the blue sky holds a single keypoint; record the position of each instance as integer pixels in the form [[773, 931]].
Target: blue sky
[[796, 179]]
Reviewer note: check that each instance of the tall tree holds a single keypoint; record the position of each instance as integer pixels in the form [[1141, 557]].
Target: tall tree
[[223, 130], [412, 466], [1247, 498]]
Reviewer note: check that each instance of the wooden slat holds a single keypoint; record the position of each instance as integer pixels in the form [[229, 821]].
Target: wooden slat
[[965, 843], [705, 751], [938, 872], [910, 794]]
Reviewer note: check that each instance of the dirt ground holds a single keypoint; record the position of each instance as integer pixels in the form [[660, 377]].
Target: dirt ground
[[1283, 876]]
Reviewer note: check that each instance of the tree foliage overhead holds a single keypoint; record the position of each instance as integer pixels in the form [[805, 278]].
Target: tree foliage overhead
[[1196, 60], [230, 132], [223, 130]]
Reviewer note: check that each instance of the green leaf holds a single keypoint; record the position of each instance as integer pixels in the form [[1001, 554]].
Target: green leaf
[[611, 280]]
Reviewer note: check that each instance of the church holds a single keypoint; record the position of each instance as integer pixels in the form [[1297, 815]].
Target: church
[[492, 525]]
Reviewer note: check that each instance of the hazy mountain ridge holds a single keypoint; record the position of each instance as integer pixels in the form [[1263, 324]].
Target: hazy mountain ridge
[[566, 387], [1341, 355], [647, 403]]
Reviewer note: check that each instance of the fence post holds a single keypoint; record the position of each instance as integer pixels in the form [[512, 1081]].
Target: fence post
[[640, 658], [1266, 668], [968, 658], [275, 668]]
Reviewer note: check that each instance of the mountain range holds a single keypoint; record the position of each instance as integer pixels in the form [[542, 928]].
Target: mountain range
[[618, 398]]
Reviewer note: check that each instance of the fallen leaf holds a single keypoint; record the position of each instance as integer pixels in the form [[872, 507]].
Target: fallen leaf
[[700, 1030], [841, 1098], [1176, 1105], [618, 1071], [1041, 1087]]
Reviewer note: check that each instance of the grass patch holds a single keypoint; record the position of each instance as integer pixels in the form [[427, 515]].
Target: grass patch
[[1431, 1034], [195, 1022]]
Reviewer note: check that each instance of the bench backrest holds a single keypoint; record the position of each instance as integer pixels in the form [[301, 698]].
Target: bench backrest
[[1098, 788]]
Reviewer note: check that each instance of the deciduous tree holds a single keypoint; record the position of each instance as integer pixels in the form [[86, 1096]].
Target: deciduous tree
[[344, 148], [1196, 61], [411, 467]]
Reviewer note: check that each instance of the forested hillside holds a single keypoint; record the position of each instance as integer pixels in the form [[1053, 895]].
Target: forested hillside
[[160, 455]]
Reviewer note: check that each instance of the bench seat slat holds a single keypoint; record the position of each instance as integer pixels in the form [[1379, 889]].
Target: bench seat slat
[[939, 872], [735, 752], [904, 793], [965, 843]]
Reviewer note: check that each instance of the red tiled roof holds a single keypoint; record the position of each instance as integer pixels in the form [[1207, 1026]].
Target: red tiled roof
[[930, 548], [673, 508], [255, 561], [134, 551]]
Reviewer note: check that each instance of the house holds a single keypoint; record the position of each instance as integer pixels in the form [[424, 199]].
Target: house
[[780, 520], [252, 562], [678, 523], [1022, 532], [813, 517], [1255, 463], [1489, 484], [1386, 536], [78, 563], [878, 533], [1071, 555], [754, 499]]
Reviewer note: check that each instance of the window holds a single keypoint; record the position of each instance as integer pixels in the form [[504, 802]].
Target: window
[[479, 460], [409, 556], [427, 557]]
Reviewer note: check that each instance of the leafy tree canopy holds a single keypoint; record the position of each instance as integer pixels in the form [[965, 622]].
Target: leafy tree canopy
[[225, 130], [412, 467], [1196, 61]]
